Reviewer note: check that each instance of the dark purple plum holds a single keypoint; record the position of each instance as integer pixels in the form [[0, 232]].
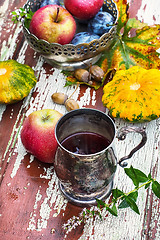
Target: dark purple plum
[[83, 37], [49, 2], [101, 23]]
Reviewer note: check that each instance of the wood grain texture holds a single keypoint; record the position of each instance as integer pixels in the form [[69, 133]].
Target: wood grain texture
[[31, 205]]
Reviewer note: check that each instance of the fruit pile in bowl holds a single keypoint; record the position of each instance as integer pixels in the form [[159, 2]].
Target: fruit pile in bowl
[[72, 33]]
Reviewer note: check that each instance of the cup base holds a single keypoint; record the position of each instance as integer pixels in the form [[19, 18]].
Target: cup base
[[87, 201], [71, 66]]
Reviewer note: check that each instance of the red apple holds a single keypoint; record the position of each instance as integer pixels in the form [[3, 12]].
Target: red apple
[[54, 24], [38, 136], [83, 9]]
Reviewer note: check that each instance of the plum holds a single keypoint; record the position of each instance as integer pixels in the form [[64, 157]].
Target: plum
[[101, 23], [83, 37], [49, 2]]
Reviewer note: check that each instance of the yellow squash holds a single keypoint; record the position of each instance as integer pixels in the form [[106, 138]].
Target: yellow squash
[[134, 94], [16, 81]]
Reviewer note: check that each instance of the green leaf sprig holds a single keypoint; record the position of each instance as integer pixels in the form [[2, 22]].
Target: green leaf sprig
[[119, 200], [22, 15]]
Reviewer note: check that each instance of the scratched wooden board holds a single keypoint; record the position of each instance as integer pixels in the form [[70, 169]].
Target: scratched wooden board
[[31, 204]]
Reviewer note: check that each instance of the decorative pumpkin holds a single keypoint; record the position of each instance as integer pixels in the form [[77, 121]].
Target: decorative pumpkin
[[134, 94], [16, 81]]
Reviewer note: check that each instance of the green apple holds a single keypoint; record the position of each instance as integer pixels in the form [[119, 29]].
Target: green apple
[[38, 134]]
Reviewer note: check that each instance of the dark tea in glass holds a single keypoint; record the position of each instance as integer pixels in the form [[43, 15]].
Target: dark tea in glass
[[85, 143]]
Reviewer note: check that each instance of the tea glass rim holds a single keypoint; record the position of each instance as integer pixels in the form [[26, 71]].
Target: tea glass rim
[[83, 110]]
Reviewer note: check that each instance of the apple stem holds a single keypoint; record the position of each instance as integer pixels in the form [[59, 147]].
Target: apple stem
[[45, 118], [56, 20]]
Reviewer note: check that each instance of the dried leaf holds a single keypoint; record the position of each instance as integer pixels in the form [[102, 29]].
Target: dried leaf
[[140, 49], [71, 80]]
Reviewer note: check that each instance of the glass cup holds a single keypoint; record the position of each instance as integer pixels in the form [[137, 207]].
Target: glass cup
[[87, 176]]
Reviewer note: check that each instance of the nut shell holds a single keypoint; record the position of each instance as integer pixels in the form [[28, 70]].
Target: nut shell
[[97, 73], [59, 98], [81, 75], [71, 104]]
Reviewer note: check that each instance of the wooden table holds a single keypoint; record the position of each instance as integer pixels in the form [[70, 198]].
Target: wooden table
[[31, 205]]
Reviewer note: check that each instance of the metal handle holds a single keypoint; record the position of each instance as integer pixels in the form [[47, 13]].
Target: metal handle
[[121, 135]]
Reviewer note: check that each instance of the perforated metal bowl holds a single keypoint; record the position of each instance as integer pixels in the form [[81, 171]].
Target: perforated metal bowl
[[69, 56]]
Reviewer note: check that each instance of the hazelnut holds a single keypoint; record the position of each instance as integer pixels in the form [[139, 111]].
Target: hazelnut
[[71, 104], [81, 75], [59, 98], [96, 73]]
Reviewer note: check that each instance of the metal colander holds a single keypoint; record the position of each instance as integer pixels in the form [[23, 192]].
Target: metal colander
[[71, 56]]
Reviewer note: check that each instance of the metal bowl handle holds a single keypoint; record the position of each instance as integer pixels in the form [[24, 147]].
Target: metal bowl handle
[[121, 135]]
